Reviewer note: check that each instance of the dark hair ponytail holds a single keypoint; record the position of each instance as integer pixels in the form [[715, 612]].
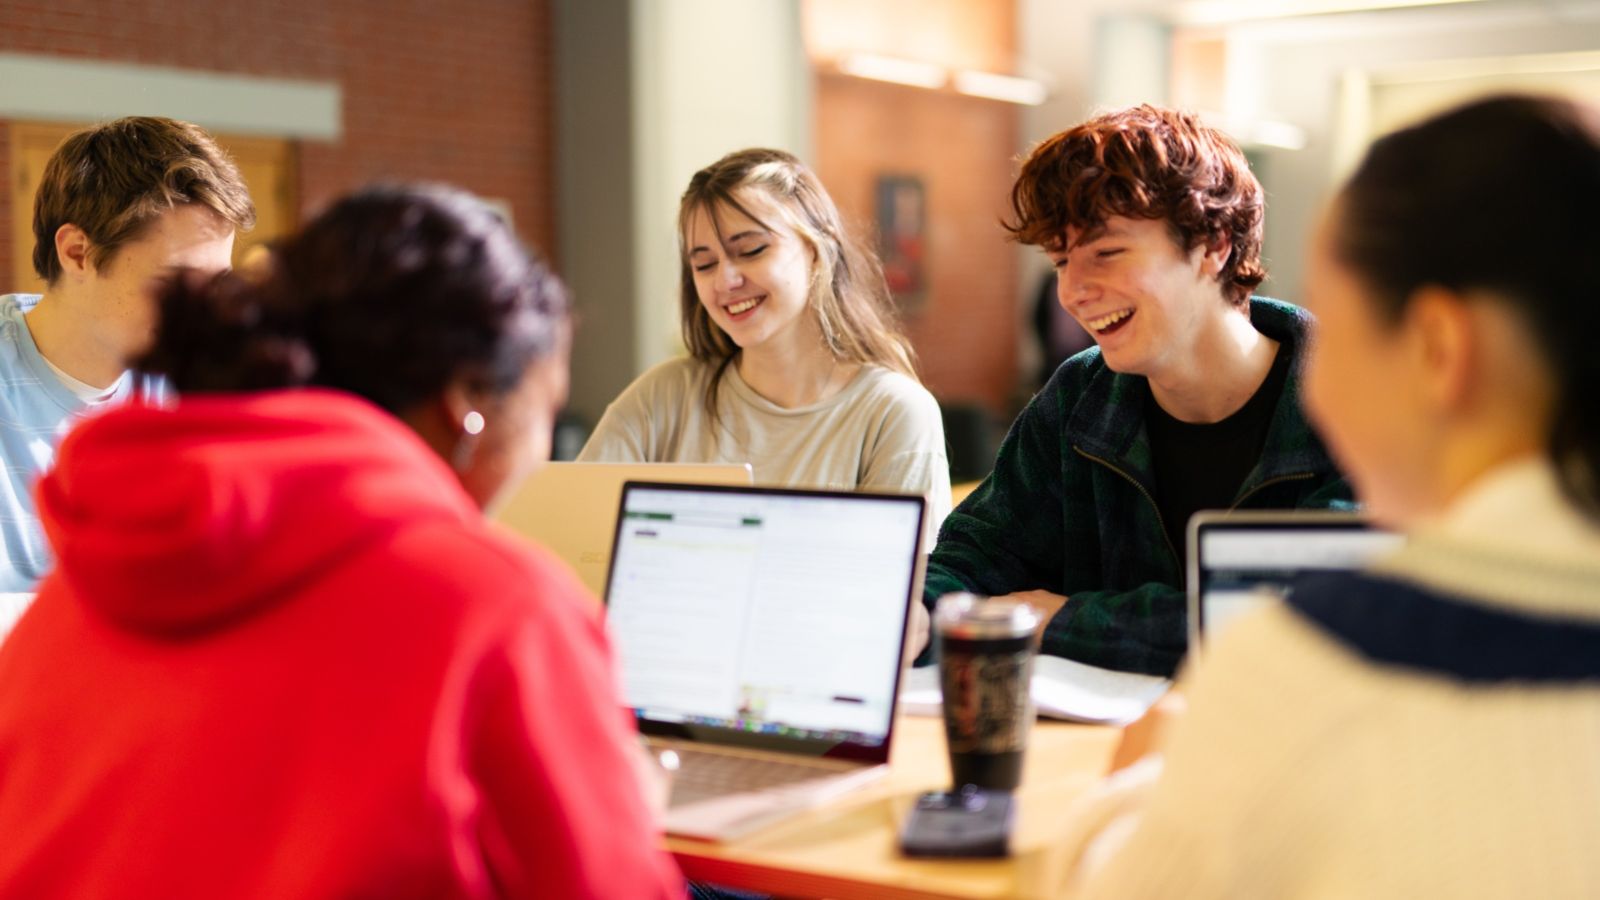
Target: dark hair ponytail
[[1500, 196], [391, 294]]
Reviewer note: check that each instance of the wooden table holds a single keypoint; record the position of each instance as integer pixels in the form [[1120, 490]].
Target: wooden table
[[847, 849]]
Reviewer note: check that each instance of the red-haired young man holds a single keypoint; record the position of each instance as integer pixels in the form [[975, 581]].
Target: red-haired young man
[[1189, 401]]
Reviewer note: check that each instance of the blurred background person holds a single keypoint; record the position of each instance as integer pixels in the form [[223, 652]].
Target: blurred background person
[[297, 660], [118, 208]]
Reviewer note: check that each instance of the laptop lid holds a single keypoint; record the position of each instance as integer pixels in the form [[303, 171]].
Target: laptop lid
[[1243, 559], [570, 508], [767, 618]]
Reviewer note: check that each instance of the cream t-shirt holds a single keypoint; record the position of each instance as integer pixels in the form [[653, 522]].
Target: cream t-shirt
[[882, 431]]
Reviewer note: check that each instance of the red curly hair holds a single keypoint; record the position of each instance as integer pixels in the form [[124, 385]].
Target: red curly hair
[[1145, 163]]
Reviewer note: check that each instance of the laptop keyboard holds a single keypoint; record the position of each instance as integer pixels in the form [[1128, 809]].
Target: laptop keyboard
[[702, 776]]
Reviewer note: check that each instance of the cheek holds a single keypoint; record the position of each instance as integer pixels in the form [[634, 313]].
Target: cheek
[[794, 273], [1357, 400], [705, 292]]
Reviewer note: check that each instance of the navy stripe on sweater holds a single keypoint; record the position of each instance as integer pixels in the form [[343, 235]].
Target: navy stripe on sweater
[[1395, 623]]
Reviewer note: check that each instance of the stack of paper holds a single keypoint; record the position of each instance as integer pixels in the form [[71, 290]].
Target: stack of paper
[[1062, 689]]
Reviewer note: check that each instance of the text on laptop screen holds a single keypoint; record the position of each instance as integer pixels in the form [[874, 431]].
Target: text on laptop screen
[[775, 613], [1243, 567]]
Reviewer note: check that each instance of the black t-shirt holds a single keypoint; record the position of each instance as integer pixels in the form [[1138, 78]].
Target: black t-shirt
[[1202, 466]]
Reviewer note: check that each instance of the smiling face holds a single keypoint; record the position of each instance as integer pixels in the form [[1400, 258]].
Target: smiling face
[[1144, 299], [753, 279]]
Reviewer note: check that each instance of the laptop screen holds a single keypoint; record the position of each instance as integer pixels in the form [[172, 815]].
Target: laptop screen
[[764, 617], [1240, 561]]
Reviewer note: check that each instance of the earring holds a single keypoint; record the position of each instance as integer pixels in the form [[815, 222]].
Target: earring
[[467, 445]]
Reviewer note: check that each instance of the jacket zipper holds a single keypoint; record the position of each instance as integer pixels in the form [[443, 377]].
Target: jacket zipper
[[1299, 476], [1135, 482]]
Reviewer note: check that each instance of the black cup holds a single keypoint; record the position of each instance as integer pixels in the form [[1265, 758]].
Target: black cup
[[986, 650]]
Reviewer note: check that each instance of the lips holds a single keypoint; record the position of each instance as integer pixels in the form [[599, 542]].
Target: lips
[[739, 308], [1108, 323]]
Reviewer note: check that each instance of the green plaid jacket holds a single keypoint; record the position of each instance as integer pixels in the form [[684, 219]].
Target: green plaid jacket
[[1070, 508]]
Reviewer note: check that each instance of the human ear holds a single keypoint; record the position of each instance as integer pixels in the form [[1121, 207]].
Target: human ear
[[72, 250], [457, 403], [1215, 256], [1444, 345]]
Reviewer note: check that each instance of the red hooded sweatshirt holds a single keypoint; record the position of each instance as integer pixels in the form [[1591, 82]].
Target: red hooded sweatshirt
[[283, 656]]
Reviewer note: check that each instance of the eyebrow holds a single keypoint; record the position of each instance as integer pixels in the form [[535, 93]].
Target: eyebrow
[[1092, 235], [748, 232]]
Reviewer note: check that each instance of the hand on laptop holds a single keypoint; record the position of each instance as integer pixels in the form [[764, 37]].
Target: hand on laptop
[[654, 770]]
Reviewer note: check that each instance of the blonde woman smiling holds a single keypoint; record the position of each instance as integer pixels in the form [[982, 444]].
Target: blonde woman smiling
[[795, 364]]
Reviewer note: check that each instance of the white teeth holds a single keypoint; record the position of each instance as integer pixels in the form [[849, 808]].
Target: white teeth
[[1104, 322], [743, 306]]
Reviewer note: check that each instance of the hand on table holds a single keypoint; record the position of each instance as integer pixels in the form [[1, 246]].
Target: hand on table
[[918, 632], [1046, 602], [1149, 733]]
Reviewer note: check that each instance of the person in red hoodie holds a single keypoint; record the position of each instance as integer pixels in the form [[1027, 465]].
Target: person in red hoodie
[[283, 654]]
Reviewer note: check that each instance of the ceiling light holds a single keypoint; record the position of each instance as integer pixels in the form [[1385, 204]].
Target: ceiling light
[[1225, 12], [893, 69], [1011, 89]]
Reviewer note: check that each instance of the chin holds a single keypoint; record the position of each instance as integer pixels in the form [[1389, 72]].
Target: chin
[[1123, 363], [1394, 508]]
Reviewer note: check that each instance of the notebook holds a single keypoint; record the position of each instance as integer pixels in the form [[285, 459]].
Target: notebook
[[571, 507], [759, 635], [1239, 561]]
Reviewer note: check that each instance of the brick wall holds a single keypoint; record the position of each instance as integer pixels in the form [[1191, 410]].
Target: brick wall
[[456, 92], [960, 148], [965, 330]]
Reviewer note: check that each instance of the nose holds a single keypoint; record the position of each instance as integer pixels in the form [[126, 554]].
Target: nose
[[1072, 287], [732, 276]]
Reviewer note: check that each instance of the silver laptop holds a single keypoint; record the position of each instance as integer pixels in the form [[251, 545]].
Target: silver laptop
[[759, 632], [1239, 561], [571, 507]]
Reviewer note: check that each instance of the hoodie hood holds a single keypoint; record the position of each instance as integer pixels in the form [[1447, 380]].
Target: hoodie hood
[[186, 518]]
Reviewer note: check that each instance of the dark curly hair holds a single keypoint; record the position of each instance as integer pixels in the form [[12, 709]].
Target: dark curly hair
[[391, 294], [1145, 163]]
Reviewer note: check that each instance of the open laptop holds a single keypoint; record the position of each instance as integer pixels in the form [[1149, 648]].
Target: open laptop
[[1241, 560], [759, 632], [571, 507]]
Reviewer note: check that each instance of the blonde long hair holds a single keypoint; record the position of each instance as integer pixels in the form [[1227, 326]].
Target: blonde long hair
[[848, 295]]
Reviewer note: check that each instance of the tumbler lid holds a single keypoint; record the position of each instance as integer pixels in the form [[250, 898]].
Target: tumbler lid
[[977, 618]]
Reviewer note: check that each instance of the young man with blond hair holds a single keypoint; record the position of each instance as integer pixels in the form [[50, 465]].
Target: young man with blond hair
[[120, 208], [1190, 399]]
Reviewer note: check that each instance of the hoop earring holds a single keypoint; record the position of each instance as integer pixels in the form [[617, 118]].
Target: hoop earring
[[467, 444]]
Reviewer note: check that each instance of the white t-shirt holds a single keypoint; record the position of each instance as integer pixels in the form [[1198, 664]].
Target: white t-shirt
[[37, 407], [882, 431]]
